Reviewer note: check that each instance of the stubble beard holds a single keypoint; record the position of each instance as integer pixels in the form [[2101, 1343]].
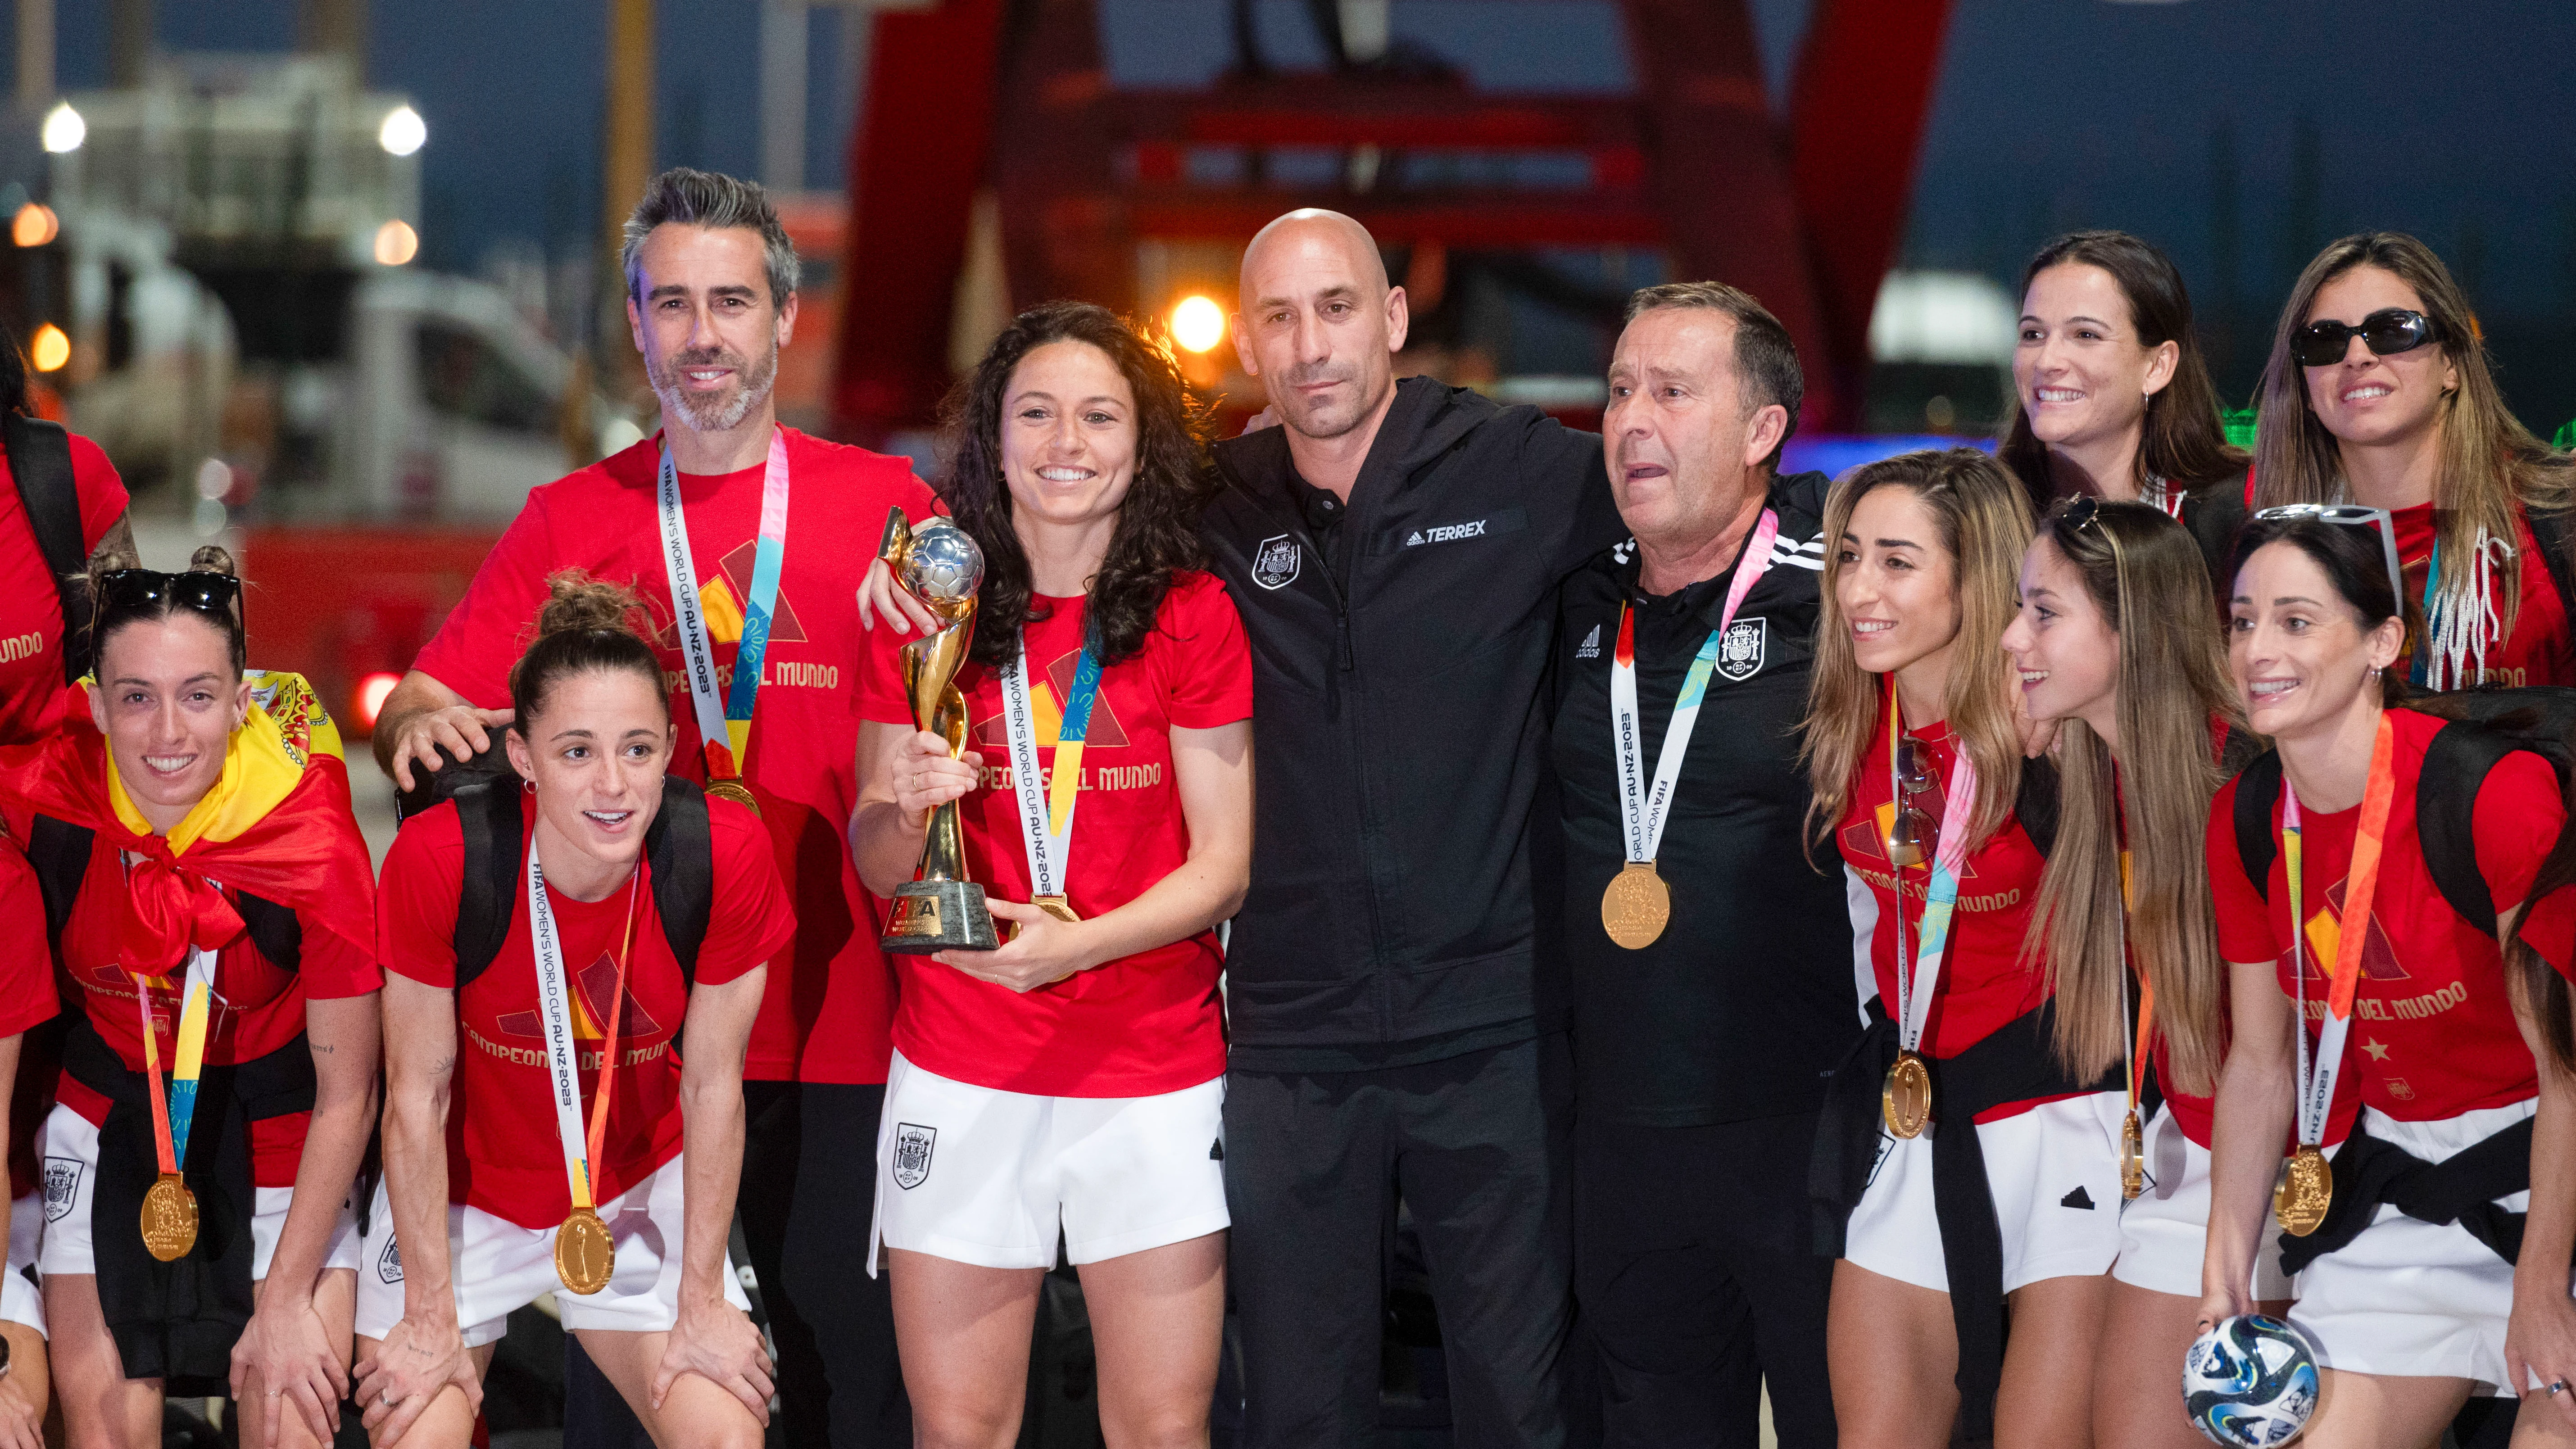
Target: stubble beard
[[723, 412]]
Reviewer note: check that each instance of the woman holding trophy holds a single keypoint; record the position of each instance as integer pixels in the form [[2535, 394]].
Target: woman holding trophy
[[1068, 1078]]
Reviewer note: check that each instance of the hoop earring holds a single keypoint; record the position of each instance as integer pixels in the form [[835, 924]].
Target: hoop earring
[[531, 785]]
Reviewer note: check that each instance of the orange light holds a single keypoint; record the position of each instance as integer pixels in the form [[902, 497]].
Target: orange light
[[49, 349], [396, 243], [368, 699], [1198, 323], [34, 225]]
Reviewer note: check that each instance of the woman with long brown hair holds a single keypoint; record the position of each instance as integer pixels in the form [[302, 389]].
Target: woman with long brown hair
[[2111, 390], [2118, 642], [1915, 749], [2378, 392], [1068, 1087]]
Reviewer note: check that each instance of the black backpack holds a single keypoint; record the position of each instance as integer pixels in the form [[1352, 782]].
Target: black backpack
[[678, 846], [2485, 725], [40, 461]]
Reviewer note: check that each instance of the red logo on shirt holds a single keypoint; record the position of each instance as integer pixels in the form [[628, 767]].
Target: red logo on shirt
[[783, 628], [592, 985], [2325, 929], [1864, 841], [1105, 731]]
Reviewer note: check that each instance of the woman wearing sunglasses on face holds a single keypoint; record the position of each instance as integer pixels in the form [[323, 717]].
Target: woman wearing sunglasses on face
[[2111, 390], [2118, 639], [2378, 393], [2329, 912], [1914, 747], [211, 898]]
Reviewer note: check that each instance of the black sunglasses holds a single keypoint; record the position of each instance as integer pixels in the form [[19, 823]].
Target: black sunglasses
[[2386, 332], [136, 591]]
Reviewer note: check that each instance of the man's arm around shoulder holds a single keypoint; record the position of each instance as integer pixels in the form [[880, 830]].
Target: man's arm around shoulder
[[423, 716]]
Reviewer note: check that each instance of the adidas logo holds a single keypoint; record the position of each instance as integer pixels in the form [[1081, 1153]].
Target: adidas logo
[[2079, 1198], [1591, 645], [1415, 540]]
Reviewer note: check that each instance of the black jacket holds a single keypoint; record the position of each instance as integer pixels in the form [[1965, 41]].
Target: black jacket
[[1399, 655]]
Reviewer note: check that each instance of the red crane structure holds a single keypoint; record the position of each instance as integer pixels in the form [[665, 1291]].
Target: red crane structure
[[967, 94]]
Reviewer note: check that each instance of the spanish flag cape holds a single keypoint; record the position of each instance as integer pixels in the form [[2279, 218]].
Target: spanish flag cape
[[277, 825]]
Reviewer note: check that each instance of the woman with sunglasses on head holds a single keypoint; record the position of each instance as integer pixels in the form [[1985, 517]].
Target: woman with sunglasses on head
[[2378, 392], [549, 937], [1069, 1085], [210, 897], [2111, 390], [2423, 1120], [1915, 748], [2118, 641]]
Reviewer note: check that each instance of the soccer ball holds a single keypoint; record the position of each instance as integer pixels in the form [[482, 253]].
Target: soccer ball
[[943, 566], [2250, 1383]]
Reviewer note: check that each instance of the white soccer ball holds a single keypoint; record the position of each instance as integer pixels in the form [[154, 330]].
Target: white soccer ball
[[2250, 1383], [943, 565]]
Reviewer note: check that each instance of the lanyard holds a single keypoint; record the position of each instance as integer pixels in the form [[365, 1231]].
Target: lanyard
[[554, 1005], [172, 1118], [2317, 1079], [1046, 811], [2146, 1026], [1914, 988], [724, 720], [1643, 813]]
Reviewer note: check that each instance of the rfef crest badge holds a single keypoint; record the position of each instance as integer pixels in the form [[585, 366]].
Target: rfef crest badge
[[389, 1263], [1739, 654], [912, 1145], [62, 1187], [1274, 564]]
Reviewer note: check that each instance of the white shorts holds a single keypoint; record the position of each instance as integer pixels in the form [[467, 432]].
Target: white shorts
[[2412, 1297], [983, 1176], [2055, 1174], [20, 1301], [71, 1182], [498, 1266], [2165, 1233]]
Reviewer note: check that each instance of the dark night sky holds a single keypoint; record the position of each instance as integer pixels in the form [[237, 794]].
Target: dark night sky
[[2452, 121]]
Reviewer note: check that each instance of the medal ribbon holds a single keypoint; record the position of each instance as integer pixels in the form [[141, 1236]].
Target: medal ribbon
[[1941, 892], [2137, 1072], [724, 718], [1046, 812], [2361, 882], [1644, 814], [172, 1118], [563, 1061]]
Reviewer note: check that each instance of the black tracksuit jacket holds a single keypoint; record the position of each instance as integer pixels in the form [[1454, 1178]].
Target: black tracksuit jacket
[[1399, 724]]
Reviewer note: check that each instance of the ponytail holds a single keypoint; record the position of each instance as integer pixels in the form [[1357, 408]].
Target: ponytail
[[586, 625]]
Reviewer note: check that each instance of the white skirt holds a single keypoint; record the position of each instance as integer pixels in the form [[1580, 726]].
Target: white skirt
[[2410, 1298], [2164, 1234], [2055, 1174]]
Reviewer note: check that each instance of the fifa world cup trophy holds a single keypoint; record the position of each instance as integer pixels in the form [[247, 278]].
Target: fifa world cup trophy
[[939, 909]]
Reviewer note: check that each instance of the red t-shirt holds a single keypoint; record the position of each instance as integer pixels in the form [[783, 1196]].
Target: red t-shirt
[[1984, 983], [2540, 649], [258, 1006], [2433, 1033], [504, 1153], [1144, 1024], [825, 1016], [31, 613]]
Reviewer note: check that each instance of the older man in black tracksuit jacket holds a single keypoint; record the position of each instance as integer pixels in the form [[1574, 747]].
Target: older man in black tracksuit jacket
[[1393, 1031]]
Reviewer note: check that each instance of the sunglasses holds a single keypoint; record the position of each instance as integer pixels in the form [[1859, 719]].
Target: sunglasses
[[2355, 516], [1909, 844], [2386, 332], [136, 591]]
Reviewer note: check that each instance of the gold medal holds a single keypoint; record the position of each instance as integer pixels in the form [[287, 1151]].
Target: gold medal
[[2133, 1158], [169, 1219], [2305, 1190], [1636, 906], [1906, 1101], [584, 1255], [1055, 906], [731, 788]]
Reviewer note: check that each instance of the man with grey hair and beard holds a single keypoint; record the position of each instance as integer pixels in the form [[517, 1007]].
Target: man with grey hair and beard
[[750, 525]]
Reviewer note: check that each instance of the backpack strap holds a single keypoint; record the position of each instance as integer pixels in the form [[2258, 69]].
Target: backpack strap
[[2257, 790], [273, 929], [40, 462], [486, 898], [2446, 802], [2035, 804], [681, 847]]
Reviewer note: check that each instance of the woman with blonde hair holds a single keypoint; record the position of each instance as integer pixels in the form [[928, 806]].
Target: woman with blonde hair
[[2118, 642], [1915, 749], [2378, 392]]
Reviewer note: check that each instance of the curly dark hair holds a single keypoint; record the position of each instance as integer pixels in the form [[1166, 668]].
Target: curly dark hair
[[1157, 532]]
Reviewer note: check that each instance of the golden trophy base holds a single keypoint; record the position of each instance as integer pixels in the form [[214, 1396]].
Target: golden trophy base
[[939, 915]]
